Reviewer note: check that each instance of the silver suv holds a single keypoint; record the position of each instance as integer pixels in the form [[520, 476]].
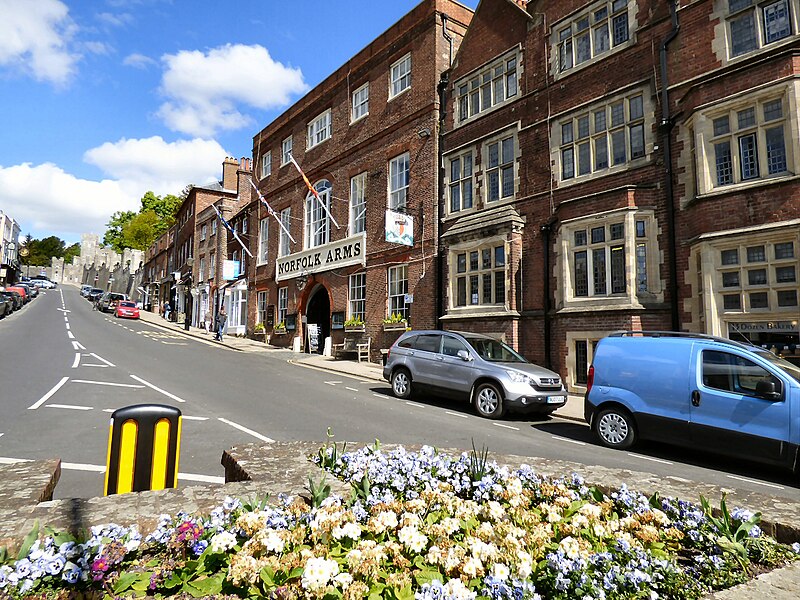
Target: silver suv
[[473, 366]]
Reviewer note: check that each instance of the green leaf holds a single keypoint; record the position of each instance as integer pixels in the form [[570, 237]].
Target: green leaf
[[142, 584], [205, 587], [125, 581], [3, 554], [28, 541], [427, 576], [267, 576]]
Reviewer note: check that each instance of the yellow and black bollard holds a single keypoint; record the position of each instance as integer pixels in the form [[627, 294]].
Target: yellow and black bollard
[[144, 443]]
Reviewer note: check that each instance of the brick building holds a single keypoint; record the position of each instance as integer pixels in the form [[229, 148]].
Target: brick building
[[366, 137], [622, 164]]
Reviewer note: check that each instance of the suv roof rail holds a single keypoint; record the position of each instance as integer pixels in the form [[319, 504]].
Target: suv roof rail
[[685, 334]]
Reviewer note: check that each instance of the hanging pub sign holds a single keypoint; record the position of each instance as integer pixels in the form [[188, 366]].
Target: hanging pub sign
[[399, 228], [341, 253]]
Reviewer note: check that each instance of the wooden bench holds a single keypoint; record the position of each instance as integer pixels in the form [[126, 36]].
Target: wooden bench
[[353, 345]]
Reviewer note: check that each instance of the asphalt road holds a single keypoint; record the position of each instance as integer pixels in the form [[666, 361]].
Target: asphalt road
[[64, 368]]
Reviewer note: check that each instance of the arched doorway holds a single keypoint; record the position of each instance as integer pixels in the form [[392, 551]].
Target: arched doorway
[[318, 312]]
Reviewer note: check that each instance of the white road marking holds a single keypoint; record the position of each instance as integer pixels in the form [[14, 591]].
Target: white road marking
[[2, 434], [47, 396], [77, 360], [263, 438], [101, 359], [67, 326], [455, 414], [380, 395], [159, 390], [101, 469], [175, 343], [70, 335], [505, 426], [658, 460], [69, 406], [93, 365], [562, 439], [66, 318], [351, 389], [416, 405], [756, 482], [125, 385], [78, 346], [331, 382], [367, 381]]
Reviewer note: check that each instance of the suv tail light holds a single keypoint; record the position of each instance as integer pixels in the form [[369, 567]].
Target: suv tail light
[[590, 379]]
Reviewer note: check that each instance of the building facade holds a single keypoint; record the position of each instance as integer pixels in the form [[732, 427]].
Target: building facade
[[618, 165], [9, 249], [361, 249]]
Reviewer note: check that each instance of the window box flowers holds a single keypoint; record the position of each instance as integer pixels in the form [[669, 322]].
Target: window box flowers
[[354, 324], [395, 322], [279, 329]]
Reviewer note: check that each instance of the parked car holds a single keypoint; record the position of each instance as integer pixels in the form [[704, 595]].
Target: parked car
[[108, 301], [85, 289], [21, 290], [479, 368], [94, 294], [43, 281], [14, 297], [700, 392], [29, 288], [127, 309]]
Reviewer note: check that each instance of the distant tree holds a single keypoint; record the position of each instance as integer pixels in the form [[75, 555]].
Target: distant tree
[[166, 209], [141, 231], [41, 252], [186, 191], [71, 252], [113, 235]]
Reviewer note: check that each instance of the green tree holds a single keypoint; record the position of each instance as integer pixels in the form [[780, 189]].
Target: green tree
[[141, 231], [165, 208], [113, 235], [71, 252]]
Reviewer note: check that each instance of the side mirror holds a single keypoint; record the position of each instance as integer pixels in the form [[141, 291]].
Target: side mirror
[[464, 355], [765, 388]]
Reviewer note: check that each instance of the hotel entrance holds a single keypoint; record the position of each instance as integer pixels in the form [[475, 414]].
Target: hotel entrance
[[318, 321]]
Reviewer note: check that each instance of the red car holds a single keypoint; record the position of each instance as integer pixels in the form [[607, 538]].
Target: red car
[[126, 309]]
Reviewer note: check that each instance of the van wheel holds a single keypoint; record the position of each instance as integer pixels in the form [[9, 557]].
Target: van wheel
[[488, 401], [401, 384], [615, 428]]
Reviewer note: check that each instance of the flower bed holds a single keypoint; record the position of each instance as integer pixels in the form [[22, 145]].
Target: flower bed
[[418, 526]]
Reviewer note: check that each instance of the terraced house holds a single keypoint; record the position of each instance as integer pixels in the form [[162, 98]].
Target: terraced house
[[622, 164]]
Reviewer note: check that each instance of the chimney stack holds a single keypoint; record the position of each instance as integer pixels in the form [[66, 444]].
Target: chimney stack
[[229, 167]]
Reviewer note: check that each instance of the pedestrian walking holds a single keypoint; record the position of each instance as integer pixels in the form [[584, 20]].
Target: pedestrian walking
[[222, 320], [208, 321], [167, 310]]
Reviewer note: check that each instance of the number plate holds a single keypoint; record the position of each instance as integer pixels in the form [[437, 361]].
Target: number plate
[[556, 399]]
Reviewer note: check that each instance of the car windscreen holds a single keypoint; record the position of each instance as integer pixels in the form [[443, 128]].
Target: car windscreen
[[494, 350], [127, 304], [784, 365]]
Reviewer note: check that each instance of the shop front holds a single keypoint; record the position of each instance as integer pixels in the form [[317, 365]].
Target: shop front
[[781, 337]]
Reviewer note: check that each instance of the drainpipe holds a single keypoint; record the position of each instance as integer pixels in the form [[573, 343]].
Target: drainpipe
[[444, 81], [546, 229], [666, 126]]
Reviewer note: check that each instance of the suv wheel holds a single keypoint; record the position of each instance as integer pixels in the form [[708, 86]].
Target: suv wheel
[[401, 384], [488, 401], [615, 428]]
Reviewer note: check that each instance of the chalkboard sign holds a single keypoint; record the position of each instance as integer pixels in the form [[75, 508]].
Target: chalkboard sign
[[270, 316], [337, 320], [291, 322], [313, 337]]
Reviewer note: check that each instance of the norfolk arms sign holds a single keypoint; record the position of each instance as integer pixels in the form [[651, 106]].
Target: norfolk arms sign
[[341, 253]]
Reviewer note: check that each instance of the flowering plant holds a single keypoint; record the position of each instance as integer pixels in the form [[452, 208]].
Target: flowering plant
[[419, 526]]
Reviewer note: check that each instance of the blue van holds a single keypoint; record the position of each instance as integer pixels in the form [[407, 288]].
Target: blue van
[[696, 391]]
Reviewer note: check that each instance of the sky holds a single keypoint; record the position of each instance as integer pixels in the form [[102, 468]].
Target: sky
[[104, 100]]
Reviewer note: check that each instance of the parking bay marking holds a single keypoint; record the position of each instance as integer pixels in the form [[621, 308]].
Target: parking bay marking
[[505, 426], [255, 434], [563, 439], [101, 359], [186, 417], [416, 405], [447, 412], [658, 460], [756, 482], [69, 406], [77, 360], [101, 469], [47, 396], [125, 385], [351, 389], [159, 390]]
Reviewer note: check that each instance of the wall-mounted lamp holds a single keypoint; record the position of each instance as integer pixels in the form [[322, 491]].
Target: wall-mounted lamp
[[425, 132]]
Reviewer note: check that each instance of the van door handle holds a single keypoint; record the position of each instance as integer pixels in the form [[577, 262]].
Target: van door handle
[[696, 398]]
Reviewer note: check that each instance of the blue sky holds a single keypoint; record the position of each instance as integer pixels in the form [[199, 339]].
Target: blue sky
[[103, 100]]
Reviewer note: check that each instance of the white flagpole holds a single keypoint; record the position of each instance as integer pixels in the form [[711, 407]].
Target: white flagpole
[[272, 211], [235, 235], [313, 191]]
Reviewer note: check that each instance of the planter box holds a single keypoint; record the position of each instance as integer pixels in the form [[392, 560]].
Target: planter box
[[260, 335], [355, 328], [402, 326], [278, 331]]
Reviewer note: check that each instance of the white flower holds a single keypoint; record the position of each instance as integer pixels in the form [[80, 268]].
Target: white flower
[[274, 542], [524, 564], [349, 530], [222, 542], [500, 571], [473, 566], [456, 590], [318, 572], [343, 580], [570, 547]]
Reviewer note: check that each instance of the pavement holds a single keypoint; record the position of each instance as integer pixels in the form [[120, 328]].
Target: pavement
[[572, 410]]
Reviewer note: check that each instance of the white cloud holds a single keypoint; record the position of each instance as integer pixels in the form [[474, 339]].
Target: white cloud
[[205, 91], [138, 61], [46, 199], [34, 38], [115, 19]]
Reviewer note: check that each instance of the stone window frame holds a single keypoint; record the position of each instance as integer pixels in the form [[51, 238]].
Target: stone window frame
[[589, 113], [358, 103], [704, 139], [263, 241], [316, 221], [283, 304], [320, 129], [486, 169], [632, 239], [559, 39], [737, 11], [463, 182], [358, 203], [455, 274], [590, 338], [396, 78], [286, 151], [473, 87], [266, 164], [397, 277], [357, 296]]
